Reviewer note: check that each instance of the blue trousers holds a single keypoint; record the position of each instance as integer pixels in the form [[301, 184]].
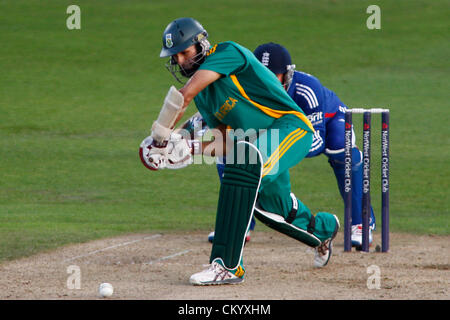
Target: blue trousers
[[334, 150]]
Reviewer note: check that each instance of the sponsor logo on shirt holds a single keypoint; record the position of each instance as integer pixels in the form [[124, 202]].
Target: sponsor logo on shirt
[[315, 118]]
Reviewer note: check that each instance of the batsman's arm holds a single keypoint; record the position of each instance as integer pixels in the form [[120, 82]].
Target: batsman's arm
[[217, 146], [199, 81], [175, 104]]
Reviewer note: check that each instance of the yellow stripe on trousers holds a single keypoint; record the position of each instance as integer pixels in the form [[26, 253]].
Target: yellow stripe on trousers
[[277, 151], [285, 148]]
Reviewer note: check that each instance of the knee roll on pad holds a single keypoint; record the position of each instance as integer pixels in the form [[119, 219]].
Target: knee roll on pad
[[237, 197]]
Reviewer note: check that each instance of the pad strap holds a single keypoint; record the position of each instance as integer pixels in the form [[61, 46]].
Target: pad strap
[[312, 225], [293, 213]]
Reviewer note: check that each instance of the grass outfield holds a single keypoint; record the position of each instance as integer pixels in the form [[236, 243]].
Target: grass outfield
[[75, 105]]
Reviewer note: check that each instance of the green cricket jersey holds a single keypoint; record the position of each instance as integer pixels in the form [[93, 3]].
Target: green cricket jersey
[[248, 95]]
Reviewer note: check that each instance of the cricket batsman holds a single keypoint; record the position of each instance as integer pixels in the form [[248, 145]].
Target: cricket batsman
[[234, 92]]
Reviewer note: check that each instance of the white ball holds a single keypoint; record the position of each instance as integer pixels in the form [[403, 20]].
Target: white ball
[[105, 290]]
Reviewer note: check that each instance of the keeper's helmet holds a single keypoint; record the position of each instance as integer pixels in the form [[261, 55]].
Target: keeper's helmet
[[277, 58], [178, 36]]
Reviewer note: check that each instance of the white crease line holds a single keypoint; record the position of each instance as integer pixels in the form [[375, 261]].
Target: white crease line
[[113, 247], [168, 257]]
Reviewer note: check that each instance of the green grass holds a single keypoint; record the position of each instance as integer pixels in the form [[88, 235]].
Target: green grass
[[74, 106]]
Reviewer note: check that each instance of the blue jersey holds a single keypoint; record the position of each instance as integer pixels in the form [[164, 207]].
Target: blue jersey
[[319, 103]]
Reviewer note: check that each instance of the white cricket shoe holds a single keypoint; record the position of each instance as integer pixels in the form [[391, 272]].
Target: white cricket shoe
[[215, 274], [357, 235], [324, 250]]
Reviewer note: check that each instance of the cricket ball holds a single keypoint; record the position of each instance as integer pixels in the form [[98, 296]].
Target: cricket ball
[[105, 290]]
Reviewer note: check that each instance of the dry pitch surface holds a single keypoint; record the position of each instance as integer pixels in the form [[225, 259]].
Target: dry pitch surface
[[158, 266]]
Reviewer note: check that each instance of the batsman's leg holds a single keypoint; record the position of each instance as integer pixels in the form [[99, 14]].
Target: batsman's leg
[[277, 207], [220, 171], [237, 199]]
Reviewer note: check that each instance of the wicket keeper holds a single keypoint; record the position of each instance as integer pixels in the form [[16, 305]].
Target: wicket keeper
[[326, 112]]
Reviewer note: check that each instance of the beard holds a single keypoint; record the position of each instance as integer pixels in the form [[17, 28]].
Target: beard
[[193, 65], [191, 69]]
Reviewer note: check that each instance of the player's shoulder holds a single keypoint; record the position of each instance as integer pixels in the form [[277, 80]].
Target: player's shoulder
[[227, 48], [306, 90], [225, 58], [230, 45], [301, 78], [222, 47], [305, 81]]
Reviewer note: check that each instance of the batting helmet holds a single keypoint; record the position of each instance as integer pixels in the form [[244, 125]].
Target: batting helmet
[[178, 36], [181, 34]]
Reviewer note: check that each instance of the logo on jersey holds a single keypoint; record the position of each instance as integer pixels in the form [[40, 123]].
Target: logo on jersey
[[212, 50], [169, 42], [225, 108]]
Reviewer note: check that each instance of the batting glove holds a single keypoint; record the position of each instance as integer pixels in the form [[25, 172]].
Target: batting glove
[[175, 154]]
